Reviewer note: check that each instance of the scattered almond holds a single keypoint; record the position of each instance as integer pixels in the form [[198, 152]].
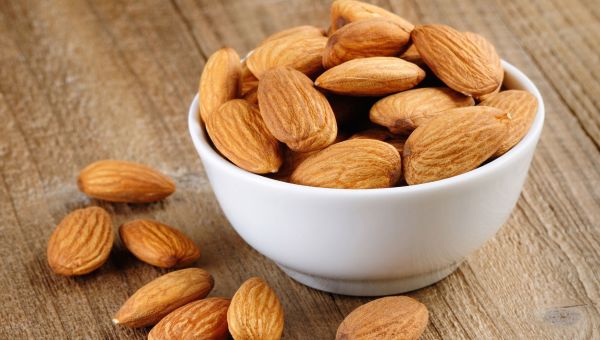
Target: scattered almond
[[456, 141], [346, 11], [81, 242], [255, 312], [405, 111], [351, 164], [158, 244], [121, 181], [522, 107], [204, 319], [375, 76], [294, 111], [220, 81], [159, 297], [365, 38], [392, 317], [461, 62], [240, 134]]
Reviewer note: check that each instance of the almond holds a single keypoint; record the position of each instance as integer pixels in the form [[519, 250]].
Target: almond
[[239, 133], [299, 32], [522, 107], [158, 244], [159, 297], [456, 141], [493, 56], [301, 53], [392, 317], [459, 61], [294, 111], [220, 81], [121, 181], [204, 319], [346, 11], [375, 76], [81, 242], [255, 312], [405, 111], [365, 38], [351, 164]]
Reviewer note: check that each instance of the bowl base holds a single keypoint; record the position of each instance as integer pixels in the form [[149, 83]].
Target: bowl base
[[370, 287]]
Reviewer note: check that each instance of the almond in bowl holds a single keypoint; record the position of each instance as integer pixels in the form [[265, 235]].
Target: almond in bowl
[[443, 173]]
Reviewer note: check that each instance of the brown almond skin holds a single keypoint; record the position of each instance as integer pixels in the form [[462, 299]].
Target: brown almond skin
[[238, 131], [522, 107], [493, 56], [205, 319], [457, 141], [255, 312], [459, 61], [365, 38], [374, 76], [351, 164], [158, 244], [294, 111], [125, 182], [392, 317], [300, 53], [220, 81], [299, 32], [81, 242], [346, 11], [403, 112], [159, 297]]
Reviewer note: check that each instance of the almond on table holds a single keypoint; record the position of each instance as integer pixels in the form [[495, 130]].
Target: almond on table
[[159, 297], [158, 244], [81, 242], [204, 319], [122, 181], [392, 317], [255, 312]]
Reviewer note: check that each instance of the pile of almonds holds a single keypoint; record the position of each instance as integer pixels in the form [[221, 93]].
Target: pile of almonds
[[374, 102], [176, 303]]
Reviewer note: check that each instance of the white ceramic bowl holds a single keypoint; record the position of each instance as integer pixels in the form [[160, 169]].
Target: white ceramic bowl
[[377, 241]]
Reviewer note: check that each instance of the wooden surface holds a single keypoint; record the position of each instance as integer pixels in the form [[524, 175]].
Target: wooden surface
[[87, 80]]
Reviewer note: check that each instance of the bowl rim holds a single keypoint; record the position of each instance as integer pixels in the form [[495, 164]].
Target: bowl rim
[[208, 154]]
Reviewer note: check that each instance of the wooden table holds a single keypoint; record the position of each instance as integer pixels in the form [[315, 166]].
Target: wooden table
[[88, 80]]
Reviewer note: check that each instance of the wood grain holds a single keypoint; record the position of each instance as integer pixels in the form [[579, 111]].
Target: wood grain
[[87, 80]]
